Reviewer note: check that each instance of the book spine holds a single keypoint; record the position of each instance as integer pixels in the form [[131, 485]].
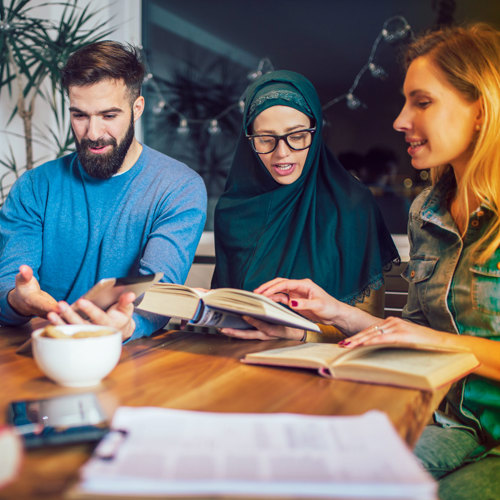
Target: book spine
[[326, 372], [208, 316]]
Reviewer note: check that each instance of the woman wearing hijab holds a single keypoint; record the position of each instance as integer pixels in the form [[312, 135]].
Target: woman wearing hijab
[[289, 208]]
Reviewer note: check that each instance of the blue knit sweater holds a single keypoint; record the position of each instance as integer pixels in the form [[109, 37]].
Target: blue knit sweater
[[74, 230]]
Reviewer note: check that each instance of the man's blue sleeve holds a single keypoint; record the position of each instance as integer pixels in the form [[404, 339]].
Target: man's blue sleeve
[[20, 241], [172, 243]]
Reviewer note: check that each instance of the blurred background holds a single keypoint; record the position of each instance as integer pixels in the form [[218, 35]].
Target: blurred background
[[202, 54]]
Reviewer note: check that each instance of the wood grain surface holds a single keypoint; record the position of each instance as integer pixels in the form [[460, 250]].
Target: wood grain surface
[[192, 371]]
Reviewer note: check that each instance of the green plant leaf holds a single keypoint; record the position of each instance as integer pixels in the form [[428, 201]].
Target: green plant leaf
[[33, 50]]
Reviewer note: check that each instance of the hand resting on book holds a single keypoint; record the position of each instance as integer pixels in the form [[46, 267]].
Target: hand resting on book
[[264, 331], [220, 308], [303, 296], [397, 330], [309, 300], [314, 303]]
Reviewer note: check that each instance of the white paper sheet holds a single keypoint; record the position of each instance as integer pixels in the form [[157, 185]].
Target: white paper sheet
[[168, 452]]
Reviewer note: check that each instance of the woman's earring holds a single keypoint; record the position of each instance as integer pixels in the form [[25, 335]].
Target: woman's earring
[[478, 127]]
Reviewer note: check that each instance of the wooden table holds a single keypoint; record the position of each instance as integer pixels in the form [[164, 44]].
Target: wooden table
[[193, 371]]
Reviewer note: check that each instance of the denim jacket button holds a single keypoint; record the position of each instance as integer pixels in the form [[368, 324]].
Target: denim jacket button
[[412, 274], [474, 223]]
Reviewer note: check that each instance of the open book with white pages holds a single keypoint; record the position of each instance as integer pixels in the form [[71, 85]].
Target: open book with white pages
[[219, 308], [159, 452]]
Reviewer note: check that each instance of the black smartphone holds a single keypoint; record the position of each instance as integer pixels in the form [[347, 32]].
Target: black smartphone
[[107, 291], [69, 419]]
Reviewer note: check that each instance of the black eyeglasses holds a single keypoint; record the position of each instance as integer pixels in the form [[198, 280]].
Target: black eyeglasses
[[297, 140]]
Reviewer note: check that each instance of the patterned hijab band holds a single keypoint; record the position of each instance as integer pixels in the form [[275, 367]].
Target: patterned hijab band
[[278, 94]]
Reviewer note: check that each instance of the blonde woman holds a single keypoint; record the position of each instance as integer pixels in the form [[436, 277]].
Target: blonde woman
[[451, 122]]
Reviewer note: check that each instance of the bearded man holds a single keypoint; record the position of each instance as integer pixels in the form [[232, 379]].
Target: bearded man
[[114, 208]]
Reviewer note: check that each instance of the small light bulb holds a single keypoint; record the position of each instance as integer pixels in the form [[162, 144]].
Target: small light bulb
[[377, 71], [353, 102], [159, 107], [213, 127], [183, 127], [254, 75], [395, 28]]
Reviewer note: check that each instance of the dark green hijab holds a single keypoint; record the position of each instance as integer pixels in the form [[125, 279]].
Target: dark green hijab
[[325, 226]]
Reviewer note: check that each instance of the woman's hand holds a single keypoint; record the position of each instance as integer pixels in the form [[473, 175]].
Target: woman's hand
[[264, 331], [303, 296], [310, 300], [399, 331], [396, 331], [118, 316]]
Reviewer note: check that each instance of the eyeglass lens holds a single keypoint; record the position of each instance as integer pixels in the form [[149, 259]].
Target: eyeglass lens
[[301, 139]]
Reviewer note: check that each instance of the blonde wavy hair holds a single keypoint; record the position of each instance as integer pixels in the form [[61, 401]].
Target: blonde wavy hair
[[470, 60]]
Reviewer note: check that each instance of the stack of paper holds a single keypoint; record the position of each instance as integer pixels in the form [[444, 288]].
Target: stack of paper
[[173, 452]]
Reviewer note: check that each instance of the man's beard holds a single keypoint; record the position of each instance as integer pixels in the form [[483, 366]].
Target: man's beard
[[104, 166]]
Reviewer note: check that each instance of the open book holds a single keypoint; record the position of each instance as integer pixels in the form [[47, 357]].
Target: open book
[[220, 308], [417, 366]]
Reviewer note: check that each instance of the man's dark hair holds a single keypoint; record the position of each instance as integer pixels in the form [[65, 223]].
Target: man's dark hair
[[102, 61]]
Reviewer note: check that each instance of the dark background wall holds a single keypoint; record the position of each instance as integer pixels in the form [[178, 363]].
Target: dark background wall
[[200, 53]]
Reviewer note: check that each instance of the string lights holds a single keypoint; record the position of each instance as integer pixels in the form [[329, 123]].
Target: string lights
[[212, 123], [394, 29]]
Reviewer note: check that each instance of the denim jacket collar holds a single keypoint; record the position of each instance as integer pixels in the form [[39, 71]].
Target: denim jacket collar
[[435, 211]]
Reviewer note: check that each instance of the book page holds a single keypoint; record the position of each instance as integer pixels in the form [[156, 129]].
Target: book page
[[394, 364], [326, 354], [407, 367], [310, 354], [199, 453], [172, 300], [242, 299], [259, 306], [215, 317], [180, 290]]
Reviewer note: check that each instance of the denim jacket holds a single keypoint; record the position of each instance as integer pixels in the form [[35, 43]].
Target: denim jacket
[[448, 291]]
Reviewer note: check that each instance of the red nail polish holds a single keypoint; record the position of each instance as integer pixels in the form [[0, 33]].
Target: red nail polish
[[294, 303]]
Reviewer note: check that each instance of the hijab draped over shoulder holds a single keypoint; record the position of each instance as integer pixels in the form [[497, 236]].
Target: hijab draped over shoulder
[[325, 226]]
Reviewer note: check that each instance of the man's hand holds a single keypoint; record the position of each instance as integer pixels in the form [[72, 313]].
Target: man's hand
[[118, 316], [27, 298]]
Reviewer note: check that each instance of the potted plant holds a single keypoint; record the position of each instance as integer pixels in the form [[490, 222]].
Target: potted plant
[[32, 52]]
